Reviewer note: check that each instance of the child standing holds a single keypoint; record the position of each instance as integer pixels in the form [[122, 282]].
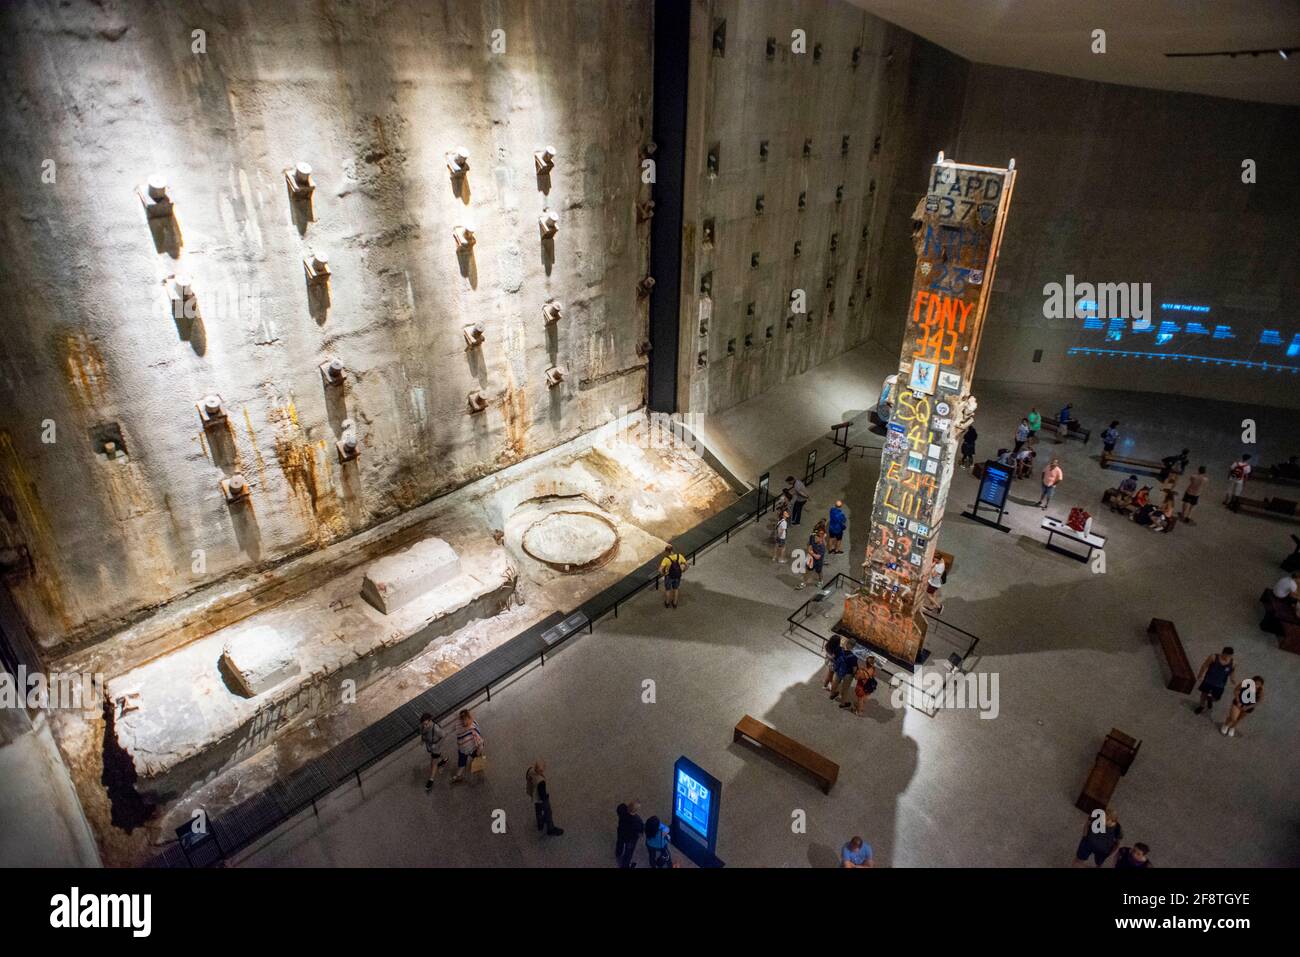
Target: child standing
[[864, 685]]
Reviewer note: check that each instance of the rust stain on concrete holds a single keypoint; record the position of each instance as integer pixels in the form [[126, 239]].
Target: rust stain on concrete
[[87, 372]]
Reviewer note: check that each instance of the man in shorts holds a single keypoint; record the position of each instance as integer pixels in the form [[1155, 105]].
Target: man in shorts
[[1237, 475], [1216, 671], [1192, 494]]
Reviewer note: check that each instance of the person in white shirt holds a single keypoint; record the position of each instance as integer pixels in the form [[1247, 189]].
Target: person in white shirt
[[782, 528], [1286, 587], [937, 571], [1237, 476]]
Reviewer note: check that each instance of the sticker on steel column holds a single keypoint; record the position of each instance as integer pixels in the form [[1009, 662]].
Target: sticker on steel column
[[943, 408]]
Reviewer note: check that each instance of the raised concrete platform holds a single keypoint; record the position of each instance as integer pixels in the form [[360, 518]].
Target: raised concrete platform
[[214, 702], [398, 579]]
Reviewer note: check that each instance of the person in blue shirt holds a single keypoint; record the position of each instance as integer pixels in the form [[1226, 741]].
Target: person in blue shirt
[[835, 527], [856, 853], [846, 666], [656, 843]]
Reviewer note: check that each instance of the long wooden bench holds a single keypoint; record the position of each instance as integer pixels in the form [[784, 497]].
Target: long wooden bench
[[1146, 465], [1280, 507], [1282, 620], [1073, 428], [824, 770], [1181, 677], [1112, 762]]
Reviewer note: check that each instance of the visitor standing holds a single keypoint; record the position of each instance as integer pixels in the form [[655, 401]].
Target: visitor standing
[[1133, 857], [846, 666], [782, 530], [836, 523], [831, 652], [856, 853], [798, 493], [1035, 423], [1237, 475], [816, 557], [1216, 671], [656, 843], [469, 746], [1099, 842], [672, 567], [968, 447], [1192, 494], [938, 578], [1052, 477], [1110, 436], [864, 685], [535, 784], [1022, 435], [431, 734], [1248, 694], [630, 829]]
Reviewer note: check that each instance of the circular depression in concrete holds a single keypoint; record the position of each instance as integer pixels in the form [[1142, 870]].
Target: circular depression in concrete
[[571, 541]]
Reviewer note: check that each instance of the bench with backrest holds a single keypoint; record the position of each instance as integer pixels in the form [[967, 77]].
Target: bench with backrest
[[1148, 465], [1073, 428], [1181, 677], [1112, 762], [1280, 507], [824, 770]]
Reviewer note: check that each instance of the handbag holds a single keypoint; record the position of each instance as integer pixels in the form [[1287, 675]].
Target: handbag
[[478, 764]]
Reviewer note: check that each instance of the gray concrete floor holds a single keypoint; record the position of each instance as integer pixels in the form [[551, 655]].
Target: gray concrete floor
[[1068, 645]]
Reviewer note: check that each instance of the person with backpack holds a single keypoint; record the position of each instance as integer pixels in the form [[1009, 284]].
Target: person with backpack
[[779, 536], [1237, 475], [836, 524], [535, 784], [864, 685], [431, 734], [672, 568], [656, 843], [630, 829], [1216, 671]]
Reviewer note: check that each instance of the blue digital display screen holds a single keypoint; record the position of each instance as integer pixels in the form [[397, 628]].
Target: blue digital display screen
[[691, 804], [1168, 331], [995, 484]]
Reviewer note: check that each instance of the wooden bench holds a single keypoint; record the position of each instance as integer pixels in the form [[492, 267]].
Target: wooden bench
[[1282, 620], [1112, 762], [1073, 428], [1280, 507], [1145, 465], [824, 770], [1181, 677]]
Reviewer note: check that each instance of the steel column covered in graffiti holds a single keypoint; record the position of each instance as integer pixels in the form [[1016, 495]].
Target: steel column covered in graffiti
[[957, 231]]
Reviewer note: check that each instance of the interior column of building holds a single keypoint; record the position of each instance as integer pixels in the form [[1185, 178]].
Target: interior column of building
[[478, 435]]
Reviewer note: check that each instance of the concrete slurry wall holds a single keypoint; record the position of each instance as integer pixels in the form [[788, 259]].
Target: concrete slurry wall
[[372, 95], [739, 99], [1115, 185]]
